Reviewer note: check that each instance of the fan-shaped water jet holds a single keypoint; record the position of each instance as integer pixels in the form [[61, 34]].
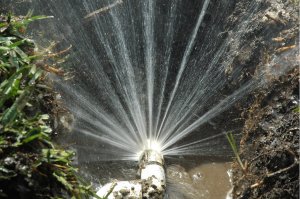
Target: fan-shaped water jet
[[168, 71]]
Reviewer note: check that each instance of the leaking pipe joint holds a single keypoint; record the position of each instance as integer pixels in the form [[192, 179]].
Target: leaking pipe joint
[[152, 184]]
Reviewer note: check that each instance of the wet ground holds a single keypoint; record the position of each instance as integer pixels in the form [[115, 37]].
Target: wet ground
[[270, 144], [269, 148]]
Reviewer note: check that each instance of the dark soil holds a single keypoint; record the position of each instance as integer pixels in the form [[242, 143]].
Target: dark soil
[[270, 139], [270, 144], [24, 178], [27, 181]]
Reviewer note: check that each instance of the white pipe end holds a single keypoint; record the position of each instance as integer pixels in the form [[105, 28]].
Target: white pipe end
[[152, 184]]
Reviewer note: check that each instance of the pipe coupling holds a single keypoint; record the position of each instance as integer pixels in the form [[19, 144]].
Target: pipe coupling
[[149, 157]]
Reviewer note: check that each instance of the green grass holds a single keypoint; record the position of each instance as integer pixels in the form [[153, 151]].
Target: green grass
[[232, 141], [23, 135]]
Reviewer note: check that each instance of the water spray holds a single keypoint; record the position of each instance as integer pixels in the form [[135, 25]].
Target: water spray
[[152, 184]]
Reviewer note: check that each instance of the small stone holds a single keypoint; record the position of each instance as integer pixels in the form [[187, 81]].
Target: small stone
[[124, 192], [115, 193]]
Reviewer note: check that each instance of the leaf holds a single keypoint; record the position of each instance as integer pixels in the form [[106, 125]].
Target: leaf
[[33, 57], [22, 55], [231, 140], [32, 70], [22, 23], [2, 24], [4, 48], [34, 118], [44, 117], [13, 59], [6, 39], [3, 27], [16, 33], [3, 67], [42, 86], [18, 105], [15, 44], [83, 189], [59, 171], [3, 169], [66, 156], [58, 154], [49, 143], [297, 110], [15, 88], [3, 83], [36, 75], [72, 169], [37, 163], [110, 191], [11, 84], [81, 180], [46, 129], [33, 137], [13, 77], [64, 181], [93, 194], [64, 161]]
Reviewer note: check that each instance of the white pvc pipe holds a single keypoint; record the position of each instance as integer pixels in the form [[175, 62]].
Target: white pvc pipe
[[152, 184]]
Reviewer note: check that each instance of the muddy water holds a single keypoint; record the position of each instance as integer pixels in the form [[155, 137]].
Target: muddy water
[[208, 181], [187, 177]]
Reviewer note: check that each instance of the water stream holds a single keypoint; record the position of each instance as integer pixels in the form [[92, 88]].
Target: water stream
[[151, 74]]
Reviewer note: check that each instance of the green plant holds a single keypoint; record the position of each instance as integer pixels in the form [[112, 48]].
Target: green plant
[[27, 153], [232, 140]]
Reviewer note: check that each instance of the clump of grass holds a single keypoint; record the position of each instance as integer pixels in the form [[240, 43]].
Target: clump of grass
[[31, 165], [232, 141]]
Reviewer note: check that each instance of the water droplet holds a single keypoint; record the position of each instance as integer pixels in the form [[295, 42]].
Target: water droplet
[[200, 175]]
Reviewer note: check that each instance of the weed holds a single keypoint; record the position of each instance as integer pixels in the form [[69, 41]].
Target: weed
[[232, 140]]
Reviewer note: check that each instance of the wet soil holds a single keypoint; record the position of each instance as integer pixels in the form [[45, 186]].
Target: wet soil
[[269, 147], [270, 144]]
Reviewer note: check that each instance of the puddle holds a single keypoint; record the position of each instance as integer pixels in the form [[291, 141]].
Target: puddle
[[208, 181]]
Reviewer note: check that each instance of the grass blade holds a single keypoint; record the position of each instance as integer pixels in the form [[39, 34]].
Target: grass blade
[[17, 106], [18, 25], [231, 140]]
